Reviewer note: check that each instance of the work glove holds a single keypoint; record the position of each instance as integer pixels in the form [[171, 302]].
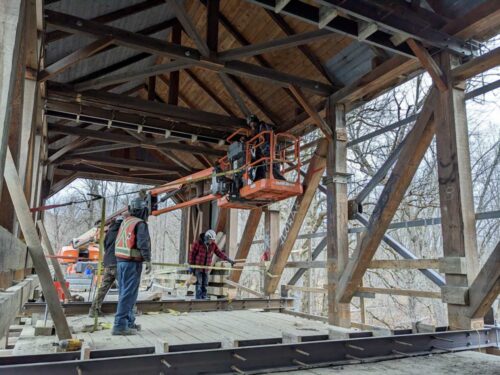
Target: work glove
[[191, 270], [148, 267], [231, 261]]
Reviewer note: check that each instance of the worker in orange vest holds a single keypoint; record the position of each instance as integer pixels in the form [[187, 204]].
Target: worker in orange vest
[[132, 248]]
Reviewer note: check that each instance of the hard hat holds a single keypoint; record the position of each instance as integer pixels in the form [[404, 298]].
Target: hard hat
[[210, 234], [136, 204]]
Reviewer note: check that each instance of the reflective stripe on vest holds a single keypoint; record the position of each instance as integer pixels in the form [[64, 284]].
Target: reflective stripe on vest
[[125, 245]]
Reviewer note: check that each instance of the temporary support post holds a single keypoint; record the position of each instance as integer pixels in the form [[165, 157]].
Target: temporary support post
[[184, 235], [455, 187], [55, 263], [337, 247], [271, 229], [246, 240], [35, 248], [416, 144], [296, 217], [231, 230]]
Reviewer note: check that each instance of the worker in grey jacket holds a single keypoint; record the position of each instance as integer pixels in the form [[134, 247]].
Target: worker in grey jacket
[[109, 274]]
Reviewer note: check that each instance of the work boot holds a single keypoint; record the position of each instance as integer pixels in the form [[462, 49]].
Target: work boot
[[92, 313], [135, 326], [124, 332]]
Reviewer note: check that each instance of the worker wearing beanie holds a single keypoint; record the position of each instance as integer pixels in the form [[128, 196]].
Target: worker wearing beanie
[[109, 274], [201, 254]]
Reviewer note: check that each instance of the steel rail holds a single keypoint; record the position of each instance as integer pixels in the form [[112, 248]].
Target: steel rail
[[76, 308], [270, 357]]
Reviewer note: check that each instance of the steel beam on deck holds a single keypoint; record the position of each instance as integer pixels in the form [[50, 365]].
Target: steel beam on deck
[[271, 357], [77, 308]]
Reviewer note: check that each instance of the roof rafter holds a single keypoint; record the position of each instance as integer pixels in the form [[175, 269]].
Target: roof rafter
[[162, 48]]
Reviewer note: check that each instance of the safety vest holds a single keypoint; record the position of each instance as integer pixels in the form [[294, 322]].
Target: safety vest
[[125, 245]]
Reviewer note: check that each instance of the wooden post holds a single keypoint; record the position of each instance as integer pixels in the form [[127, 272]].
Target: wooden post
[[296, 217], [12, 15], [458, 222], [271, 229], [35, 248], [337, 247], [184, 243], [231, 245], [416, 144], [246, 240], [55, 263]]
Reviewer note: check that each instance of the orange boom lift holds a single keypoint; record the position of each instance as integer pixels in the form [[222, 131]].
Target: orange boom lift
[[249, 176]]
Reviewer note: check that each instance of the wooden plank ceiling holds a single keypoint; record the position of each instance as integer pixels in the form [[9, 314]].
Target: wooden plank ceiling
[[125, 102]]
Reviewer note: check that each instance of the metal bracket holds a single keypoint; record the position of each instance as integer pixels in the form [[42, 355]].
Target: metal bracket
[[337, 178], [341, 135]]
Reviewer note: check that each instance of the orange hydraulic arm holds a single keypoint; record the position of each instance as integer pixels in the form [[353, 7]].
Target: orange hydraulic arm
[[179, 184]]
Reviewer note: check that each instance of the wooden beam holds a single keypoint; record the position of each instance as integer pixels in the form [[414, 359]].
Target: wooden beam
[[296, 218], [342, 25], [416, 144], [326, 15], [298, 274], [486, 287], [150, 30], [129, 76], [274, 45], [246, 240], [189, 27], [337, 248], [173, 87], [121, 138], [280, 5], [305, 50], [366, 29], [409, 22], [74, 57], [455, 187], [68, 148], [35, 248], [401, 292], [240, 38], [182, 97], [316, 118], [255, 100], [152, 88], [93, 174], [170, 112], [405, 264], [213, 25], [70, 110], [12, 17], [108, 161], [189, 55], [428, 63], [244, 288], [233, 93], [211, 94], [55, 262], [477, 65], [108, 17]]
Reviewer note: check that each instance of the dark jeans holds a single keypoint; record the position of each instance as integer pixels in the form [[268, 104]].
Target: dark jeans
[[129, 278], [201, 284], [108, 278]]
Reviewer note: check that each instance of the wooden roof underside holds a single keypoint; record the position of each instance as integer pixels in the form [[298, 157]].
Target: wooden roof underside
[[137, 91]]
